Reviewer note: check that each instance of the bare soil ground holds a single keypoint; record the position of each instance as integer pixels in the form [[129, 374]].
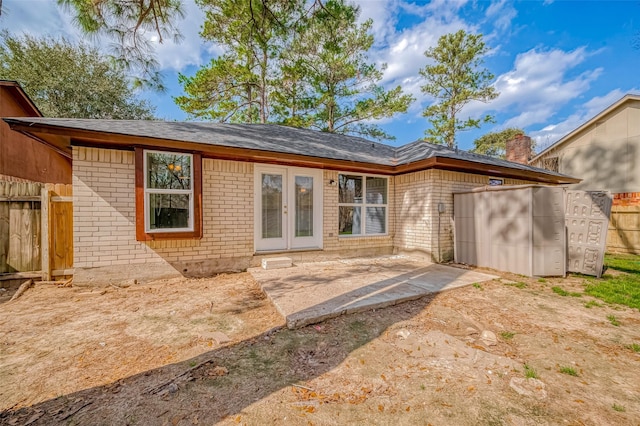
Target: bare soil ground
[[154, 354]]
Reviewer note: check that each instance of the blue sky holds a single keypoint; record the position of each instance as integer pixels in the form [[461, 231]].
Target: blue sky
[[556, 63]]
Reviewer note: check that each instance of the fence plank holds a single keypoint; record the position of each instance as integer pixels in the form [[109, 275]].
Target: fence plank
[[46, 227], [15, 239], [26, 237], [62, 248], [4, 235], [36, 223]]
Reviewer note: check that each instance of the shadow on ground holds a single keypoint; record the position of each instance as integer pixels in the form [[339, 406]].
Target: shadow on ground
[[251, 370]]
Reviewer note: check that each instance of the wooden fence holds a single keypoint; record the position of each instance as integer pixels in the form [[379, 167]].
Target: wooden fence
[[36, 230], [623, 235], [20, 227]]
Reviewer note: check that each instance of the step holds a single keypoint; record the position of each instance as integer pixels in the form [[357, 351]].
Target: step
[[277, 263]]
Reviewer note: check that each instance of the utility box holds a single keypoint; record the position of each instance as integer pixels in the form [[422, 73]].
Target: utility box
[[519, 229]]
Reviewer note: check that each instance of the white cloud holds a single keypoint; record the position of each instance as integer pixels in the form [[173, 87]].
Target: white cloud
[[383, 13], [502, 13], [403, 50], [191, 50], [537, 86], [38, 18], [46, 18]]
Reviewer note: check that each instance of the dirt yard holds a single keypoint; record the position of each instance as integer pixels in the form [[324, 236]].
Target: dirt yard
[[510, 351]]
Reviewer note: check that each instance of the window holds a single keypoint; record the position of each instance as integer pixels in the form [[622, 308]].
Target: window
[[168, 192], [551, 164], [362, 205]]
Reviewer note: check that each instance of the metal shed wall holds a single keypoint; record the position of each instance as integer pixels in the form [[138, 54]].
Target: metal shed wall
[[517, 229]]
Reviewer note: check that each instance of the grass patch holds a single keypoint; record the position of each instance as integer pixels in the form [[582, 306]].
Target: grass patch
[[562, 292], [529, 372], [623, 262], [622, 289], [507, 335], [542, 280], [568, 370], [478, 286], [591, 303], [634, 347], [518, 284], [613, 320], [618, 408]]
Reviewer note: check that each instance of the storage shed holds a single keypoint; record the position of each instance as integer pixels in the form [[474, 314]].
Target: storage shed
[[519, 229]]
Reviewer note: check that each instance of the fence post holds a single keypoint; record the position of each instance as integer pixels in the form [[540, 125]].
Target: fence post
[[44, 211]]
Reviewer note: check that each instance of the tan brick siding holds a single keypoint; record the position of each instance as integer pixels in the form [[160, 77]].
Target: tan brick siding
[[104, 213]]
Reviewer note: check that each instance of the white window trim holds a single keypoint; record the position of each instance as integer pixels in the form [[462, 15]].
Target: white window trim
[[364, 205], [148, 191]]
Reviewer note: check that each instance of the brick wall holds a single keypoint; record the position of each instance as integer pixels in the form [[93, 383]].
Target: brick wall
[[104, 220], [626, 199]]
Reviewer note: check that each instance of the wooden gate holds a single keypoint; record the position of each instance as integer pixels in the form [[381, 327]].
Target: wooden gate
[[57, 235]]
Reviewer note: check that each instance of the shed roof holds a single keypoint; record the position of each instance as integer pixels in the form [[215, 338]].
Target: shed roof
[[275, 142]]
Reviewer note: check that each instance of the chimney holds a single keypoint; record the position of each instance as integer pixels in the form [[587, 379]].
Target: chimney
[[519, 150]]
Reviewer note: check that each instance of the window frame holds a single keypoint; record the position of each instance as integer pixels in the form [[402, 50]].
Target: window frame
[[143, 233], [364, 205]]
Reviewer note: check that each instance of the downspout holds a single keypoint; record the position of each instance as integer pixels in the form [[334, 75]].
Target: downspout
[[441, 209]]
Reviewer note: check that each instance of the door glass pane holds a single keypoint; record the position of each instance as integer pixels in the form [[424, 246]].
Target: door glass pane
[[376, 220], [350, 189], [349, 220], [271, 206], [168, 211], [304, 206], [376, 190]]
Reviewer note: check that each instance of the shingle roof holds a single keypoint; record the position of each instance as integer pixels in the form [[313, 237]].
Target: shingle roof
[[420, 150], [278, 139]]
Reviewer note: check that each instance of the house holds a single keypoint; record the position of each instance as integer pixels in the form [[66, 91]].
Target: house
[[605, 153], [21, 157], [155, 199]]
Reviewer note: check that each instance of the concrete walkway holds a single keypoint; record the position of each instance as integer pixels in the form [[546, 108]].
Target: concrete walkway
[[308, 293]]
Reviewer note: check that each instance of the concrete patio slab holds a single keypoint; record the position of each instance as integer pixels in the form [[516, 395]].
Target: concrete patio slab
[[308, 293]]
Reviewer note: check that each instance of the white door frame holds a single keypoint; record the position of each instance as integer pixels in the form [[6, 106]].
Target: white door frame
[[288, 240]]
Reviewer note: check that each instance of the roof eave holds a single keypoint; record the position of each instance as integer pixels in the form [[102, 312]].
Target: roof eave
[[446, 163]]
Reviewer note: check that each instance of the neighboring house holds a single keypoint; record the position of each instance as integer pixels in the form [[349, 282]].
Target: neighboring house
[[22, 157], [155, 199], [605, 153]]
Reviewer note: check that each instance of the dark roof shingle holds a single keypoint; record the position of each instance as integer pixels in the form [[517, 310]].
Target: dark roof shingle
[[278, 139]]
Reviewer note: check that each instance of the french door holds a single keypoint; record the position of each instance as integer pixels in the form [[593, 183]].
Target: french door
[[288, 208]]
